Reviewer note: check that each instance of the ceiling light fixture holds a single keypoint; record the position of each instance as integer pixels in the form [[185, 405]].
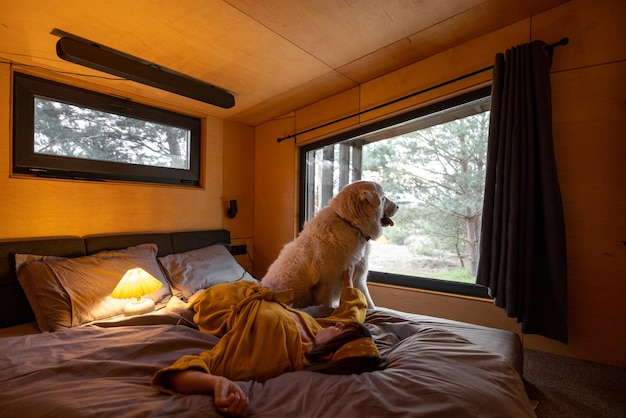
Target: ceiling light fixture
[[99, 57]]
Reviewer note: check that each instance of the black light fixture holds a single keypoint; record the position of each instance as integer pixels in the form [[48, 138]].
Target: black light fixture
[[232, 210], [99, 57]]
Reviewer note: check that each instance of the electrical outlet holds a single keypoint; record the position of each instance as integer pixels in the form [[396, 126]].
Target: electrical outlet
[[238, 249]]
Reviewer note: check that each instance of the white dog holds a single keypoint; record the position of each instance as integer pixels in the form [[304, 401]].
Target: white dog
[[334, 240]]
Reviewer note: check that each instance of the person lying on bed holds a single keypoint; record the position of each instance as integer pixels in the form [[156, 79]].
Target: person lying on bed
[[262, 337]]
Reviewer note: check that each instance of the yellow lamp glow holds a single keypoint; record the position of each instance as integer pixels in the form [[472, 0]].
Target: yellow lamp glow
[[136, 283]]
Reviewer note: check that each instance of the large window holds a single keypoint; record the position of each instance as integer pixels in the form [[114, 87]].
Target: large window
[[432, 163], [67, 132]]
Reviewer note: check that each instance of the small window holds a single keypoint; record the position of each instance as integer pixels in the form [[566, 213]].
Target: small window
[[62, 131], [432, 163]]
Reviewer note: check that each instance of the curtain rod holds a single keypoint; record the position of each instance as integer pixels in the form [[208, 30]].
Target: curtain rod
[[563, 41]]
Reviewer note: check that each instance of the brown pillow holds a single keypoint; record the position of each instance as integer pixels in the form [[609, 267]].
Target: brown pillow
[[68, 292]]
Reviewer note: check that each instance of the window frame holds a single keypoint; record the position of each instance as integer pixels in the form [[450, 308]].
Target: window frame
[[424, 283], [25, 161]]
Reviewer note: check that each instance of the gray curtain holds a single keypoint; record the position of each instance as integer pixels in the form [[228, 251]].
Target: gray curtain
[[522, 249]]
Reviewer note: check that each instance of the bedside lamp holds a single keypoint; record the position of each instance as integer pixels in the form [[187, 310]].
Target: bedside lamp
[[136, 283]]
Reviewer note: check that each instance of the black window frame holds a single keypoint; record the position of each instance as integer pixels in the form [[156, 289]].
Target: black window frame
[[424, 283], [25, 161]]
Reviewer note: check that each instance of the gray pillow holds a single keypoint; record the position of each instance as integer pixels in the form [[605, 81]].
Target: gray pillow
[[68, 292], [200, 269]]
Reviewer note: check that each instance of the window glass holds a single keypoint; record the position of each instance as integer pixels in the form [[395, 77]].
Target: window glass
[[432, 163], [75, 131], [62, 131]]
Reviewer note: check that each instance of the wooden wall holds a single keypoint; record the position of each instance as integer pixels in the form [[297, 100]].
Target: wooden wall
[[589, 110], [247, 164], [31, 207]]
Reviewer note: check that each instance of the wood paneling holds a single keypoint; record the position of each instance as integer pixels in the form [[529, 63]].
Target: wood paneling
[[310, 67], [438, 69], [275, 56], [595, 29], [274, 192], [338, 33], [329, 110], [473, 23], [239, 178], [39, 207], [458, 308], [589, 135], [589, 96]]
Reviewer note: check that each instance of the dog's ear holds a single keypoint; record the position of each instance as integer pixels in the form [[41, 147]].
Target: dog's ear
[[368, 196]]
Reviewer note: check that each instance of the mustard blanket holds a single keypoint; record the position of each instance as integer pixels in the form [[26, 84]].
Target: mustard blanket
[[259, 335]]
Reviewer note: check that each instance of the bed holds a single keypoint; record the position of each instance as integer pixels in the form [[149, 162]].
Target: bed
[[90, 360]]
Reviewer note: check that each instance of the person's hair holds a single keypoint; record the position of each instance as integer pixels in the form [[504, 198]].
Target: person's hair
[[318, 356]]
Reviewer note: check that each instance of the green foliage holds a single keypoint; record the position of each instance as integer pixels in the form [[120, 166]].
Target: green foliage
[[455, 275], [437, 175], [434, 168], [79, 132]]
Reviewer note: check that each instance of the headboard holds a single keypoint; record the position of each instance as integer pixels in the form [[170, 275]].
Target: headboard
[[14, 307]]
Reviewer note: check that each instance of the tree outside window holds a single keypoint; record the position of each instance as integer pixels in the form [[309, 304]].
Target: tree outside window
[[434, 167]]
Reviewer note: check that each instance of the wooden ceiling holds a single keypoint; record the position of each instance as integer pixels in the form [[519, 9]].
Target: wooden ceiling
[[275, 56]]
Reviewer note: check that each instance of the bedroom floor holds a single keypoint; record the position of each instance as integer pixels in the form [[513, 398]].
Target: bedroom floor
[[566, 387]]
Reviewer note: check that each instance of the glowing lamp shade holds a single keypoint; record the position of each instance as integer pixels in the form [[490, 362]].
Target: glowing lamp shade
[[136, 283]]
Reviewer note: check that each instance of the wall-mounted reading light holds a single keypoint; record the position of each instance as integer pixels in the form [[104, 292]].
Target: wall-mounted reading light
[[99, 57], [232, 210]]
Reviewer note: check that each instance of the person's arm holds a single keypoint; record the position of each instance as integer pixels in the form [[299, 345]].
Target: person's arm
[[352, 306], [229, 397]]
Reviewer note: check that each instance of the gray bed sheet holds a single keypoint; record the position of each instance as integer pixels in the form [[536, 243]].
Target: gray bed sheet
[[437, 369]]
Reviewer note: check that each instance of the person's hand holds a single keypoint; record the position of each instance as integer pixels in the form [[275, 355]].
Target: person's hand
[[229, 398], [348, 277]]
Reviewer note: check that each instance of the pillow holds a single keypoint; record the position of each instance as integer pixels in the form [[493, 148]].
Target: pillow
[[199, 269], [68, 292]]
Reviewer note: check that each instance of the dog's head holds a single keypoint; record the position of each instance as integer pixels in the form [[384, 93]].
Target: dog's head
[[364, 205]]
